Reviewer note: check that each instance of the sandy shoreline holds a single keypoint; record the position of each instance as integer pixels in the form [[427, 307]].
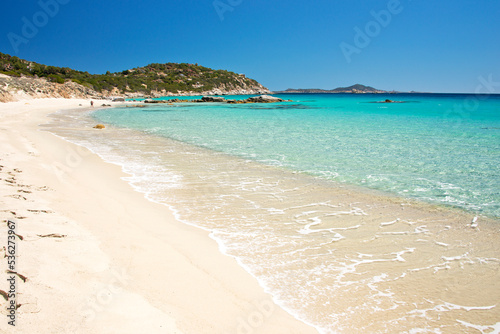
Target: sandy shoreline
[[100, 258]]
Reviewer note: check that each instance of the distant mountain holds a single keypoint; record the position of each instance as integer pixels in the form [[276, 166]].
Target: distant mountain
[[151, 80], [355, 89]]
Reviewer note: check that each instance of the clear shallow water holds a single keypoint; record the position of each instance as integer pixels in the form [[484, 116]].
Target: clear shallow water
[[438, 148], [341, 259]]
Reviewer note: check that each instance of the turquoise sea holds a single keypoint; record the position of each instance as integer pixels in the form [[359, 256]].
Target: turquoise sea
[[356, 216], [438, 148]]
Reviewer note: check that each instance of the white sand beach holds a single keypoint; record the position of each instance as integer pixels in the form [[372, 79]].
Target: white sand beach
[[99, 257]]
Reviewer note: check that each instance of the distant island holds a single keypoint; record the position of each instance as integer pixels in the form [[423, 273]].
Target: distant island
[[19, 77], [354, 89]]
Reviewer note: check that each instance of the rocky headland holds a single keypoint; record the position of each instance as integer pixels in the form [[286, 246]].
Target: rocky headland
[[21, 79], [20, 88]]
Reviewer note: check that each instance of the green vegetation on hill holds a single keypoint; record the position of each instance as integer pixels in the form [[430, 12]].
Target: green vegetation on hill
[[171, 77]]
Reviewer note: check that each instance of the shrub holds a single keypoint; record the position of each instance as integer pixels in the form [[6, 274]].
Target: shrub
[[56, 78], [11, 73]]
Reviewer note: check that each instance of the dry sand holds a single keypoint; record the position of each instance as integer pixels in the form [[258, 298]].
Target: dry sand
[[99, 257]]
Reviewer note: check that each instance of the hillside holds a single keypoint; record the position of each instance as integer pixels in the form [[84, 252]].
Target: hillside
[[17, 88], [356, 89], [151, 80]]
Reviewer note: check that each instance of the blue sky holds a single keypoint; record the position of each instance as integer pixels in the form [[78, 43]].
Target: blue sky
[[421, 45]]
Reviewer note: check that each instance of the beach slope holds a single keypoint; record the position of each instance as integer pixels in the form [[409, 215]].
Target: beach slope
[[97, 257]]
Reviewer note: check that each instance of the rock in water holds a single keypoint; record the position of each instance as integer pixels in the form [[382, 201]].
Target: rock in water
[[264, 99], [213, 99]]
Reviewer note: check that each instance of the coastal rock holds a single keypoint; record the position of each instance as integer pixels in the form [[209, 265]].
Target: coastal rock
[[157, 101], [220, 99], [213, 99], [264, 99]]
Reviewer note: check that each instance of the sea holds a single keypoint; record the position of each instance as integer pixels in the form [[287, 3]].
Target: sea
[[355, 215]]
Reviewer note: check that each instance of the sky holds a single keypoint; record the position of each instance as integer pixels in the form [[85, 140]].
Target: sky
[[406, 45]]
